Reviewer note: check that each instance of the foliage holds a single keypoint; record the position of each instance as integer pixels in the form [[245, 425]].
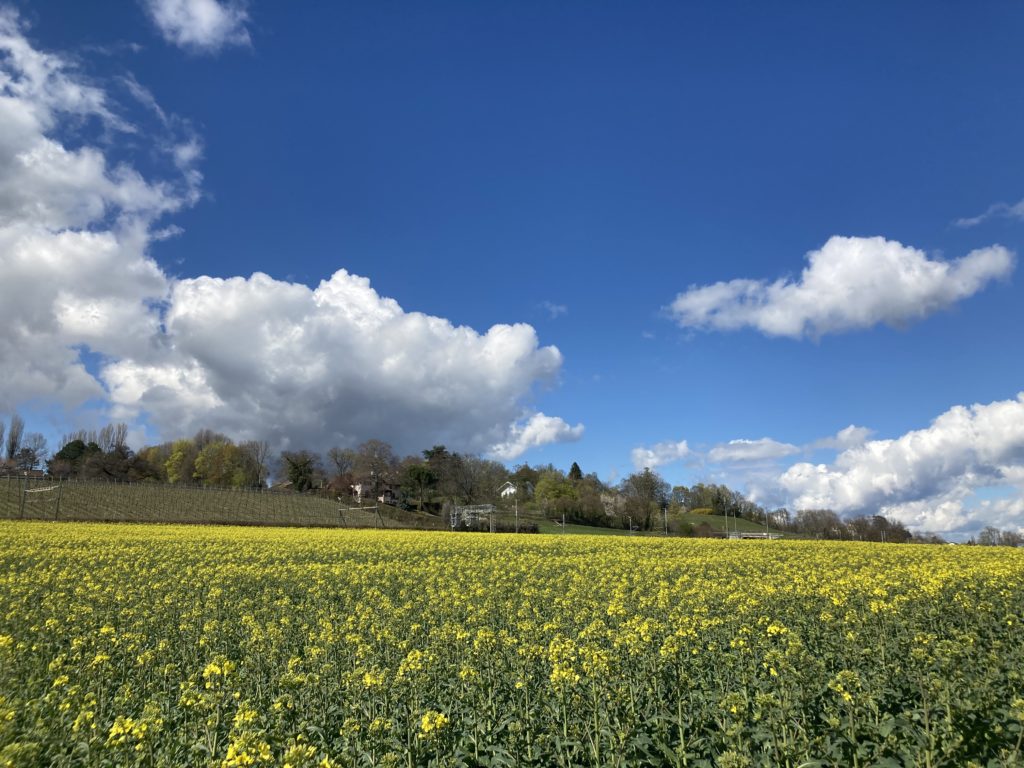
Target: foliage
[[645, 493], [220, 463], [417, 480], [302, 468], [138, 645], [180, 465], [578, 501]]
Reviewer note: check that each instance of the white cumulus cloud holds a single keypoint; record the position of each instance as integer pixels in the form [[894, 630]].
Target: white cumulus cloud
[[69, 220], [250, 356], [659, 454], [926, 476], [850, 283], [764, 449], [200, 25], [536, 431], [848, 437], [333, 365]]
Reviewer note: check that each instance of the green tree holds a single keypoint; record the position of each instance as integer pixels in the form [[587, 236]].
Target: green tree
[[525, 477], [417, 480], [180, 465], [302, 468], [575, 473], [220, 463]]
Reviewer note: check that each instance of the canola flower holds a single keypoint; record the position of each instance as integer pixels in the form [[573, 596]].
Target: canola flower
[[174, 646]]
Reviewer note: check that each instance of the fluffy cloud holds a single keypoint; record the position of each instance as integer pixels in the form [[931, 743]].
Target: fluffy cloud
[[852, 282], [259, 357], [660, 454], [765, 449], [254, 357], [200, 25], [963, 472], [847, 437], [995, 211], [538, 430], [69, 220], [925, 477]]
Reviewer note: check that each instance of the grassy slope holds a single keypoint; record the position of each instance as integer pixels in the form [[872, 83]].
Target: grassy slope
[[177, 504]]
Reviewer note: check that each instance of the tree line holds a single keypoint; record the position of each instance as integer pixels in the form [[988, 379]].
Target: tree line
[[433, 479]]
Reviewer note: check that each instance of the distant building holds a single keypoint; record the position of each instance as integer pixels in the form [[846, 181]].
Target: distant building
[[363, 491]]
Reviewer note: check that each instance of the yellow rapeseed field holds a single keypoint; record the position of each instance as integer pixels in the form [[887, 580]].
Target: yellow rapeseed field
[[172, 646]]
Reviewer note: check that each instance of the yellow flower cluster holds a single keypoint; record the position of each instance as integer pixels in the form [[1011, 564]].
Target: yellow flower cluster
[[166, 645]]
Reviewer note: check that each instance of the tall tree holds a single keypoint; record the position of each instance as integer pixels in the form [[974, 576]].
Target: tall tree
[[473, 480], [254, 455], [575, 473], [302, 468], [113, 437], [180, 465], [645, 493], [375, 463], [417, 479], [440, 462], [343, 459], [220, 463], [14, 435], [32, 452]]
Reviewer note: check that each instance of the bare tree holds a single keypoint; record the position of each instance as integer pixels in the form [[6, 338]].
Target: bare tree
[[256, 453], [106, 439], [120, 436], [32, 452], [375, 462], [991, 536], [343, 459], [113, 437], [644, 493]]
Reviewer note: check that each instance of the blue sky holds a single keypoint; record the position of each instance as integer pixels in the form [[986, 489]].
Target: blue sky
[[587, 171]]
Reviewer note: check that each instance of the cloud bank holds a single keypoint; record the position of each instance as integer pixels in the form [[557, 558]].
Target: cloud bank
[[251, 356], [850, 283], [925, 477], [200, 25], [962, 472]]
